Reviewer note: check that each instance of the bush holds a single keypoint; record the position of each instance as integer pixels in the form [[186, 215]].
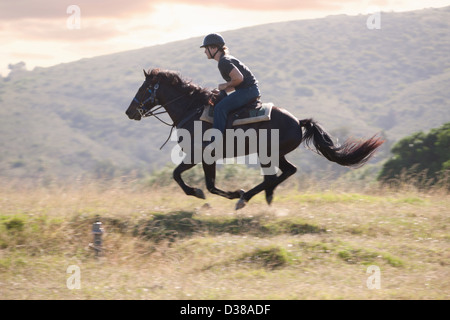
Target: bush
[[269, 257], [420, 154], [15, 224]]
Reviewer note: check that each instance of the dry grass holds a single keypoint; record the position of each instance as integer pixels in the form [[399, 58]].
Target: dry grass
[[161, 244]]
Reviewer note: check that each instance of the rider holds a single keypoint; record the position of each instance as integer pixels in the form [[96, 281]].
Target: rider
[[239, 79]]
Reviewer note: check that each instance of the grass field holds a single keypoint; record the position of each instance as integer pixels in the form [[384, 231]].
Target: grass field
[[312, 243]]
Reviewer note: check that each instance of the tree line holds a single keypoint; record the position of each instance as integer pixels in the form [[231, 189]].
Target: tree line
[[421, 155]]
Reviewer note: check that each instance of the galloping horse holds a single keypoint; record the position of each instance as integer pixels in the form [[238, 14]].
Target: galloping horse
[[184, 101]]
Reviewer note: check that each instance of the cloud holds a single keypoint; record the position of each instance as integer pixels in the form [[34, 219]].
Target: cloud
[[57, 30], [56, 9], [46, 20], [285, 5], [264, 5], [30, 56]]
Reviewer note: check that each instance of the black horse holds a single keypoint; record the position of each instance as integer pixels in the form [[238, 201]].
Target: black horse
[[166, 91]]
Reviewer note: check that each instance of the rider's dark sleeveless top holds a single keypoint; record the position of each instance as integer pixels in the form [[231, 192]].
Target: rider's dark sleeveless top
[[225, 66]]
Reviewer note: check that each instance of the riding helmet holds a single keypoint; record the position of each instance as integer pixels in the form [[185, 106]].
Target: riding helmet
[[213, 39]]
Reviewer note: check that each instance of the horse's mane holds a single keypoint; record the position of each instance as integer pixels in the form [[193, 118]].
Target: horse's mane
[[185, 86]]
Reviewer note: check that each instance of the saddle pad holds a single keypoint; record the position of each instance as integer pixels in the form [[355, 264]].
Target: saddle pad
[[256, 115]]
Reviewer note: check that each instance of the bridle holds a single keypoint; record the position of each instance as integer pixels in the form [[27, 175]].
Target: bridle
[[141, 109], [144, 112]]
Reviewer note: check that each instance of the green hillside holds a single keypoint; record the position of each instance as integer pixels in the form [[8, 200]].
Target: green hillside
[[68, 120]]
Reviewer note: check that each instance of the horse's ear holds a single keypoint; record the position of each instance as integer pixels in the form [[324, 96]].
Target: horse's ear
[[153, 74], [145, 73]]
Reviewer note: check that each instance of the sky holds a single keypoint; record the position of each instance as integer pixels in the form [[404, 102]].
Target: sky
[[48, 32]]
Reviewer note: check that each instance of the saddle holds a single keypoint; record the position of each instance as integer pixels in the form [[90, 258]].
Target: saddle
[[254, 111]]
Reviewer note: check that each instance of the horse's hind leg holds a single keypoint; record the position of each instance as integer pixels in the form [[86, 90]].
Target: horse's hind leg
[[269, 184], [210, 180], [187, 189], [269, 180], [288, 169]]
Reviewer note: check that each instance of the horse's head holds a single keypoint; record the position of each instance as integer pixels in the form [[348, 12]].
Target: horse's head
[[171, 92], [146, 98]]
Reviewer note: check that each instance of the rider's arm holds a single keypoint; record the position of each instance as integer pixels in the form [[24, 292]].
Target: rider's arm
[[236, 79]]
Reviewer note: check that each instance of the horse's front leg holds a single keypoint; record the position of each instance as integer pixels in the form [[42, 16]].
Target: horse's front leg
[[210, 179], [187, 189]]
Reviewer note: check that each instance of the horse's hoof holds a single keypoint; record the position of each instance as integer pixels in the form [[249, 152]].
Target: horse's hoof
[[199, 193], [269, 199], [241, 203]]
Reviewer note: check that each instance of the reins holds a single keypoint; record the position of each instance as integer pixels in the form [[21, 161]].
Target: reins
[[179, 123], [153, 112], [148, 113]]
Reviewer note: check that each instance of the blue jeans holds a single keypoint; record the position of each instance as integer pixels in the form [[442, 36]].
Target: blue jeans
[[232, 102]]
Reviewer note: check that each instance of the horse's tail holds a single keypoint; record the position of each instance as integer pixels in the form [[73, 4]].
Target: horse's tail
[[352, 153]]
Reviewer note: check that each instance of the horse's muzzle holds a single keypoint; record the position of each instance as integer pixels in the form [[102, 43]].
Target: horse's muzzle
[[133, 115]]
